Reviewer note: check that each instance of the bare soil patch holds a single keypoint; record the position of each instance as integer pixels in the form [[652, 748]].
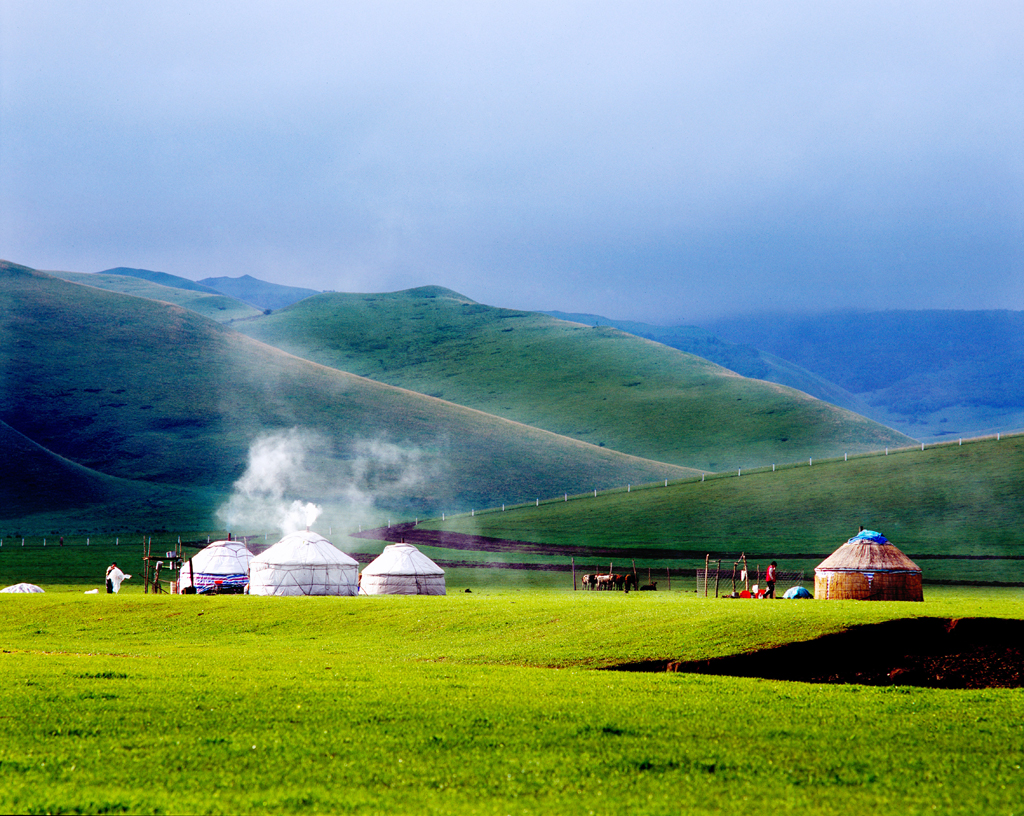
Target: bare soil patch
[[963, 653]]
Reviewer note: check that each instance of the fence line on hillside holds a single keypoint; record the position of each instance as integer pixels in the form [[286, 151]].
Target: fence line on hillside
[[738, 473]]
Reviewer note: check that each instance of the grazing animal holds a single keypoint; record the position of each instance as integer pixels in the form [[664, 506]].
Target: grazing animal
[[590, 582], [618, 581], [604, 581], [631, 582], [651, 587]]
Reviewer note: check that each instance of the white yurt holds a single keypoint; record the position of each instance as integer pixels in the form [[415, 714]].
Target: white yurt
[[402, 570], [19, 588], [303, 563], [222, 566]]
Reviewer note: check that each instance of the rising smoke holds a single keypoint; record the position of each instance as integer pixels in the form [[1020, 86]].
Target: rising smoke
[[294, 475]]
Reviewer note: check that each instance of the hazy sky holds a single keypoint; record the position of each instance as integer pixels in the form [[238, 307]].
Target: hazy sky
[[653, 161]]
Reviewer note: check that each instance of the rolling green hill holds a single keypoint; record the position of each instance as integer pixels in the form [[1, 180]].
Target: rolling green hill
[[222, 308], [595, 384], [739, 357], [151, 392], [949, 499]]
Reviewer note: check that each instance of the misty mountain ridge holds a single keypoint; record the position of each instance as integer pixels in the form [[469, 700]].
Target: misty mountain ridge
[[259, 293], [930, 374]]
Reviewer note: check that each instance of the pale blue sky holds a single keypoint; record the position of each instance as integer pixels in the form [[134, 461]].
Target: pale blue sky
[[652, 161]]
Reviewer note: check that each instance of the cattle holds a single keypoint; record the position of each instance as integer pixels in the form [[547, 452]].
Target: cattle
[[618, 581], [604, 581], [631, 582], [590, 582], [651, 587]]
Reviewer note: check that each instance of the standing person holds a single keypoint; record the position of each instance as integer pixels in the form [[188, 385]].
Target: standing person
[[114, 579], [769, 579]]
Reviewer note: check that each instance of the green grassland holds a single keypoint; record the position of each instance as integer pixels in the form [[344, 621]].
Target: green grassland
[[155, 394], [474, 703], [595, 384], [221, 308]]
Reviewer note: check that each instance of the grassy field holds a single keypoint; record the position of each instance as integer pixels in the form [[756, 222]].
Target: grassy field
[[474, 703], [598, 385]]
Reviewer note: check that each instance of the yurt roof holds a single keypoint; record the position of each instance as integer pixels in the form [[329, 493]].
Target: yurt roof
[[303, 548], [867, 551], [222, 558], [402, 559], [22, 588]]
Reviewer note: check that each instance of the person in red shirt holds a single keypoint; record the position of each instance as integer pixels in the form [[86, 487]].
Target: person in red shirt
[[769, 579]]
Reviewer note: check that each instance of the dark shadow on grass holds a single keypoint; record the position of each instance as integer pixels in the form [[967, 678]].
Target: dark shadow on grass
[[963, 653]]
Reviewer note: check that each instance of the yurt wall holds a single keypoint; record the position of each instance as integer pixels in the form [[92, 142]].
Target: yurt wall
[[868, 586]]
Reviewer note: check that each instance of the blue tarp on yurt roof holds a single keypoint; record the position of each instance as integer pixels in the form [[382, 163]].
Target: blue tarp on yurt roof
[[870, 535]]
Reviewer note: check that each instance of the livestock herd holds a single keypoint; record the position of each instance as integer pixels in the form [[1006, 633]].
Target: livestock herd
[[616, 581]]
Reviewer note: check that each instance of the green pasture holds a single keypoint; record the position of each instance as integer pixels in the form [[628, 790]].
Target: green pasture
[[489, 702]]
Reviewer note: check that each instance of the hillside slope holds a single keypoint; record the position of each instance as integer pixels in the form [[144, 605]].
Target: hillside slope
[[739, 357], [149, 391], [595, 384], [949, 499], [215, 306], [931, 373], [259, 293]]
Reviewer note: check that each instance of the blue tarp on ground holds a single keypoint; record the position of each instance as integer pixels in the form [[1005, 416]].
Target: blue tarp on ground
[[796, 592]]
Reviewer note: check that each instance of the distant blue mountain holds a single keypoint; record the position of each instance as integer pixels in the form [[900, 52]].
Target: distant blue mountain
[[927, 373], [259, 293]]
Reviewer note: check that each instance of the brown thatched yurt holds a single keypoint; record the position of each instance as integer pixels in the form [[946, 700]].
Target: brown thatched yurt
[[868, 568]]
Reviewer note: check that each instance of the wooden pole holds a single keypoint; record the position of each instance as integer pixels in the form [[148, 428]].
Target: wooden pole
[[573, 561], [668, 575], [718, 573], [707, 564]]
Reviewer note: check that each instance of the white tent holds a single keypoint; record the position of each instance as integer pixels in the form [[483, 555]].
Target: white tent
[[402, 570], [22, 588], [303, 563], [222, 566]]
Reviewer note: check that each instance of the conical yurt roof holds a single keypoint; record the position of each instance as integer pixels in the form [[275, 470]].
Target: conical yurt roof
[[304, 548], [868, 551], [17, 589], [402, 559], [222, 558]]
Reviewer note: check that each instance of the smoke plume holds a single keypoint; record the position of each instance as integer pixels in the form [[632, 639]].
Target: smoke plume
[[293, 475]]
